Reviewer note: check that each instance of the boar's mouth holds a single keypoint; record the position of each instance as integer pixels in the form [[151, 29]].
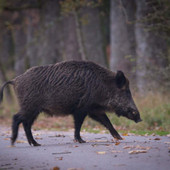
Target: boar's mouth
[[138, 120]]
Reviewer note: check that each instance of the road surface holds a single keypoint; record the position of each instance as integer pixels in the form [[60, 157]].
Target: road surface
[[59, 151]]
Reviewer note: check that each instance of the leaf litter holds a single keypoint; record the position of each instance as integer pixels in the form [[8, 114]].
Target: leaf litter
[[101, 152], [137, 147]]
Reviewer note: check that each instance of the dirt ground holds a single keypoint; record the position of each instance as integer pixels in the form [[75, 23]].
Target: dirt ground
[[59, 151]]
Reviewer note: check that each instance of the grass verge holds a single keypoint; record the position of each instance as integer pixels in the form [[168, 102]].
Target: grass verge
[[154, 110]]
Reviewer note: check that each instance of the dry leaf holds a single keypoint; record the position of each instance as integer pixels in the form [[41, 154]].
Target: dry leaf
[[21, 141], [101, 152], [56, 168], [38, 138], [168, 135], [11, 146], [142, 147], [100, 141], [157, 139], [137, 147], [117, 143], [75, 146], [6, 138], [127, 147], [36, 134], [137, 151], [125, 134], [59, 158], [60, 135]]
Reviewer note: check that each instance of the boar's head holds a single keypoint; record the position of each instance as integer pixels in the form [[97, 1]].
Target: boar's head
[[123, 101]]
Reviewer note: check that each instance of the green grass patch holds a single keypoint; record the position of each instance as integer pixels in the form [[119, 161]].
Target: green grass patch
[[140, 132]]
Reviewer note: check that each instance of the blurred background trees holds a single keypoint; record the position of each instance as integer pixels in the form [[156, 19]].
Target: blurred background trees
[[128, 35]]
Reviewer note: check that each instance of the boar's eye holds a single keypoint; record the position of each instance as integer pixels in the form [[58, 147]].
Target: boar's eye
[[120, 79]]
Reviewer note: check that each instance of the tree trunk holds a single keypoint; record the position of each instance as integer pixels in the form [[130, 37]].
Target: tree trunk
[[151, 49], [20, 43], [122, 37], [92, 41]]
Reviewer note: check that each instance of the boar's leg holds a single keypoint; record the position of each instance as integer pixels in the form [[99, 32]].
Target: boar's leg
[[78, 121], [104, 120], [17, 119], [27, 123]]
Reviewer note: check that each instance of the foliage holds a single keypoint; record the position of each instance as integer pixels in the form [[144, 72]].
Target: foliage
[[157, 16], [68, 6]]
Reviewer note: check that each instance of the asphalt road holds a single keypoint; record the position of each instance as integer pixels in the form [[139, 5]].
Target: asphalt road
[[59, 151]]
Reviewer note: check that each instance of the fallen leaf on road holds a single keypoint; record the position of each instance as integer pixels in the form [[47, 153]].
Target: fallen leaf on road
[[21, 141], [56, 168], [75, 146], [94, 145], [38, 138], [136, 147], [100, 141], [117, 143], [59, 158], [101, 152], [6, 138], [11, 146], [157, 139], [168, 135], [127, 147], [125, 134], [137, 151], [101, 138], [36, 134], [60, 135], [57, 136], [142, 147]]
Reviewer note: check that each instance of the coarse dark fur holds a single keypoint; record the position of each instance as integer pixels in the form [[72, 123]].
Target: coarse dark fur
[[79, 88]]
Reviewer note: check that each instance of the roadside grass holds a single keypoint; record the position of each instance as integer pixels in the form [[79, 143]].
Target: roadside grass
[[154, 110]]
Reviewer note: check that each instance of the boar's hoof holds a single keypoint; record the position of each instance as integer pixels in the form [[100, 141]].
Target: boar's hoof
[[37, 144], [118, 137], [80, 140]]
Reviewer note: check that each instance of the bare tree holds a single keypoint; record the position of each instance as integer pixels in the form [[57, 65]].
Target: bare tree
[[122, 37], [151, 47]]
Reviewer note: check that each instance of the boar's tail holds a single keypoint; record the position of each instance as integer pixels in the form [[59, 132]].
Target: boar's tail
[[2, 89]]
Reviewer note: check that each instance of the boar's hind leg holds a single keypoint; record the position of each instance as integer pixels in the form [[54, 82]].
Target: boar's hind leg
[[78, 121], [17, 119], [104, 120], [27, 123]]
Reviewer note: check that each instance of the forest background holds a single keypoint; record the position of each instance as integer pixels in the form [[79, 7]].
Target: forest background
[[128, 35]]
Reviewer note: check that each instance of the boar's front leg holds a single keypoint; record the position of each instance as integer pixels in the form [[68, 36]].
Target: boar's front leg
[[104, 120], [78, 121]]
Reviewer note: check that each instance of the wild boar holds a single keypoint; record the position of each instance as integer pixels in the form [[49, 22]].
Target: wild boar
[[79, 88]]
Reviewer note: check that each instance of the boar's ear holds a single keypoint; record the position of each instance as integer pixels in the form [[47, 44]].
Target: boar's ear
[[120, 79]]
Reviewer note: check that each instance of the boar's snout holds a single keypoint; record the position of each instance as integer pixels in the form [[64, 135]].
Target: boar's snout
[[137, 118], [134, 115]]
